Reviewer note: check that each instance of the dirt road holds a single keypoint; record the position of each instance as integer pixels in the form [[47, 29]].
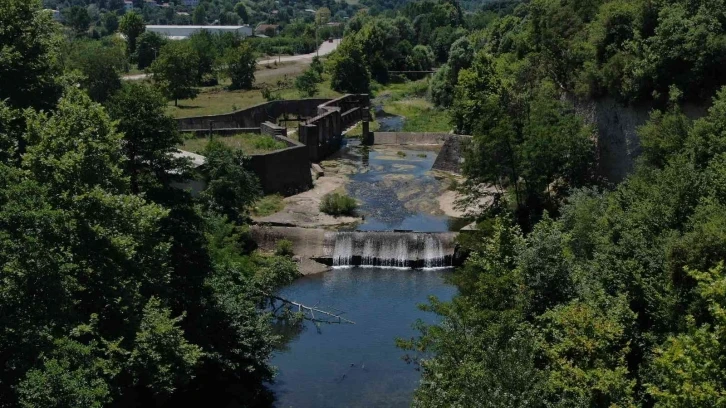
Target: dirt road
[[325, 48]]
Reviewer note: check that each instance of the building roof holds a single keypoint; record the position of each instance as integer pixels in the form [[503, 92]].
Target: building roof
[[264, 27], [196, 160], [197, 26]]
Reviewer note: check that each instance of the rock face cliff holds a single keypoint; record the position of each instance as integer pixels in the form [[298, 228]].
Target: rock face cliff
[[617, 129]]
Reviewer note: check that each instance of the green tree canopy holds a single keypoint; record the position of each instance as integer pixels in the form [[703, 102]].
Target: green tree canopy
[[148, 48], [348, 68], [132, 26], [176, 71], [28, 60], [240, 64]]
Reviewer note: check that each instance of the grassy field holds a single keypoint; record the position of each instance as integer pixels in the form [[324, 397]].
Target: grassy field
[[217, 99], [248, 143], [420, 114], [408, 99]]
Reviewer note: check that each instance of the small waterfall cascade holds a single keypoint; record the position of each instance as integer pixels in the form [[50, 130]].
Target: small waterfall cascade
[[390, 249], [343, 252]]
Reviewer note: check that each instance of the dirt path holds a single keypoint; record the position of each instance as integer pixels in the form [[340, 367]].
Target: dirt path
[[289, 64]]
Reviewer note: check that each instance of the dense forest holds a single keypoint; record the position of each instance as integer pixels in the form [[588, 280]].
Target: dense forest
[[96, 13], [578, 291], [118, 289]]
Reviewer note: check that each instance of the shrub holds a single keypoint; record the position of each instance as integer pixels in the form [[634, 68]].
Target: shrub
[[268, 143], [283, 247], [268, 205], [338, 204]]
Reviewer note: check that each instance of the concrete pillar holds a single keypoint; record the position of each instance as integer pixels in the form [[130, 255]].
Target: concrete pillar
[[367, 138]]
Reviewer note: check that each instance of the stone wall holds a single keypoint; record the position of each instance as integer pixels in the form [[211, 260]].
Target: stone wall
[[255, 115], [451, 156], [220, 132], [617, 131], [285, 171], [323, 133], [307, 244]]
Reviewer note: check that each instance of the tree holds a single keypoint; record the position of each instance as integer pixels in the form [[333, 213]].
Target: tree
[[150, 136], [175, 71], [77, 17], [28, 61], [688, 369], [241, 11], [240, 65], [200, 15], [205, 45], [161, 354], [132, 26], [307, 83], [231, 189], [100, 66], [421, 59], [148, 48], [110, 22], [322, 16], [348, 68]]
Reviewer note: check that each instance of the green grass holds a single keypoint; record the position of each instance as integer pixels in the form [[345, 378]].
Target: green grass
[[336, 204], [420, 114], [217, 99], [268, 205], [248, 142], [408, 99]]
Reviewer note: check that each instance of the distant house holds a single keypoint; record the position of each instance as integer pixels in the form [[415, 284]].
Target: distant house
[[268, 29], [180, 32], [190, 3], [128, 5], [55, 14], [332, 24]]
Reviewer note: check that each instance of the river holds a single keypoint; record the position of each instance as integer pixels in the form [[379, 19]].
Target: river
[[358, 365]]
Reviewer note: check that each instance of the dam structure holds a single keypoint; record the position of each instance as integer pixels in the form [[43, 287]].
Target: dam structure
[[389, 249]]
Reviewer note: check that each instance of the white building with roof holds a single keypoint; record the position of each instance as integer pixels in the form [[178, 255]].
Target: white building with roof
[[180, 32]]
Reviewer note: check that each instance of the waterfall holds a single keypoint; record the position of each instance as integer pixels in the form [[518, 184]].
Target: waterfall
[[433, 253], [343, 253], [390, 249]]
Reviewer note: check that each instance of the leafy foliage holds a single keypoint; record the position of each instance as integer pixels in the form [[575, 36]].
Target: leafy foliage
[[176, 71], [132, 26], [336, 204], [607, 305], [240, 66]]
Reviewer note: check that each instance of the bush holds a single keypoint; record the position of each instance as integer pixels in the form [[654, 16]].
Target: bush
[[283, 247], [268, 143], [338, 204], [307, 83]]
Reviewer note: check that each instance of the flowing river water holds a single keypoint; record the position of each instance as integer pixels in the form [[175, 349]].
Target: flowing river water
[[358, 365]]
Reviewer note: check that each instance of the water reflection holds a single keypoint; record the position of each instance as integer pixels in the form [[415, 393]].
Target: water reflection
[[356, 365]]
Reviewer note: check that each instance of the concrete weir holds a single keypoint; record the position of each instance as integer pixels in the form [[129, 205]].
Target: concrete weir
[[317, 249], [388, 249]]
